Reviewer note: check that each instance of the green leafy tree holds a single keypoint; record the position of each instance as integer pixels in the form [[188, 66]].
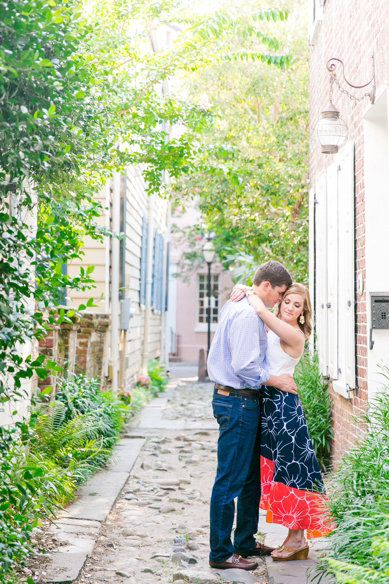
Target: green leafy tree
[[251, 175]]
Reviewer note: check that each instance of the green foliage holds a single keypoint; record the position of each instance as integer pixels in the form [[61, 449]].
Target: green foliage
[[251, 174], [358, 550], [18, 499], [42, 464], [158, 379], [78, 429], [146, 387], [316, 401], [139, 398]]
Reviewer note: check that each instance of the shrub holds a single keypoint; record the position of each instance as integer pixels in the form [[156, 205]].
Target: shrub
[[42, 463], [314, 395], [158, 379], [78, 430], [145, 388], [358, 549], [30, 489], [82, 395]]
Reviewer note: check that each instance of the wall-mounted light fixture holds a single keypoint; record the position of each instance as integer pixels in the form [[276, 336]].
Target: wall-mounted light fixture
[[332, 131]]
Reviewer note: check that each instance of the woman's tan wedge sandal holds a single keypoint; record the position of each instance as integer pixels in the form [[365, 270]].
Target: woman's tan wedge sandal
[[300, 554]]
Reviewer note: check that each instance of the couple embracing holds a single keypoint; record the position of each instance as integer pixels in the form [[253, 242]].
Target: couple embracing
[[265, 454]]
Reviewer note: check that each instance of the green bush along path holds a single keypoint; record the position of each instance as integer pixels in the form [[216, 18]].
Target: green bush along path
[[358, 550], [69, 439]]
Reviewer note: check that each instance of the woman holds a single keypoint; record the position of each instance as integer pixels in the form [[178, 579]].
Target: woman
[[292, 485]]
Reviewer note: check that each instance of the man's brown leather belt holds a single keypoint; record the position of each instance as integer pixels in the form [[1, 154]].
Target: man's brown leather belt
[[225, 390]]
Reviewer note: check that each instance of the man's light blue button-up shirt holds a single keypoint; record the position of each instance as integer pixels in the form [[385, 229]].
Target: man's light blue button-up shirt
[[237, 357]]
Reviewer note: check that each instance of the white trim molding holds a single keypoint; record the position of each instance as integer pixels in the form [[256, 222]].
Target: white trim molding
[[315, 19]]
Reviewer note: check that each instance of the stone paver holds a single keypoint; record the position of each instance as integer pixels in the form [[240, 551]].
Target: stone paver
[[158, 529], [152, 505], [297, 572], [78, 526]]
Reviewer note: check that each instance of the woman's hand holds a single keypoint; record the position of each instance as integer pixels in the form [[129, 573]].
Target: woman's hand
[[238, 292]]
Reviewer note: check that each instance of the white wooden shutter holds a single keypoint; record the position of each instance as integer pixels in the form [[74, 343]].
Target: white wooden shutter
[[332, 269], [312, 256], [321, 272], [347, 265]]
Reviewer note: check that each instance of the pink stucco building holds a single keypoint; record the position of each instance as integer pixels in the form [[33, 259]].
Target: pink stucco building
[[188, 301]]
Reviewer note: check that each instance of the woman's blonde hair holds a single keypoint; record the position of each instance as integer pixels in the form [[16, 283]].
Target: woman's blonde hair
[[303, 291]]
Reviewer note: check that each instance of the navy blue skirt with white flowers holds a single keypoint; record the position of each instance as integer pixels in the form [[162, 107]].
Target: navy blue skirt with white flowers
[[293, 491]]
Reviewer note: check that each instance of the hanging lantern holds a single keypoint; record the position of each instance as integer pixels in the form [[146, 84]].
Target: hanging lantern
[[332, 131]]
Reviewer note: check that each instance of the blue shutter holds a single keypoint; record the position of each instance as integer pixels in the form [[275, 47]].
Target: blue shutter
[[143, 262], [161, 258], [167, 276], [153, 273]]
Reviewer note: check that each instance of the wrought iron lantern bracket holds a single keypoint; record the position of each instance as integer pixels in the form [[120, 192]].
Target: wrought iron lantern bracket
[[331, 68]]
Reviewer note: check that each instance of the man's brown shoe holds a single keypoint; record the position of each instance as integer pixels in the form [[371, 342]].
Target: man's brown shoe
[[259, 550], [235, 562]]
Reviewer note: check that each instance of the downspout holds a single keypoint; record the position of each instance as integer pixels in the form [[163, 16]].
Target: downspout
[[115, 281], [105, 372], [150, 247], [123, 291]]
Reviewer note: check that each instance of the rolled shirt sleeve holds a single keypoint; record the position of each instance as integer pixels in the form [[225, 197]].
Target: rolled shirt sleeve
[[247, 352]]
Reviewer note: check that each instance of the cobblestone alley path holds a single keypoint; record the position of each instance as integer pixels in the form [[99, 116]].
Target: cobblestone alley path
[[158, 529]]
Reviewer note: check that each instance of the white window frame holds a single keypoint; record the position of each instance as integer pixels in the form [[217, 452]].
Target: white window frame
[[315, 19], [335, 267], [203, 326]]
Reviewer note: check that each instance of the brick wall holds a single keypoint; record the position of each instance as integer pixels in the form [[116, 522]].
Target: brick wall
[[77, 348], [352, 30]]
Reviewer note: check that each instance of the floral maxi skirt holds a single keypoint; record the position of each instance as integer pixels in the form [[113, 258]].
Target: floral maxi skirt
[[293, 491]]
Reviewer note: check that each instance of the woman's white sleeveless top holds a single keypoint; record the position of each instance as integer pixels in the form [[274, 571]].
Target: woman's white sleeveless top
[[278, 362]]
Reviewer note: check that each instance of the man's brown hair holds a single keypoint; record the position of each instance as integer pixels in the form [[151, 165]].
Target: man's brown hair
[[272, 272]]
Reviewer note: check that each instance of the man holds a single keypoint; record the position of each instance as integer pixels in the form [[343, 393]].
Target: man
[[237, 365]]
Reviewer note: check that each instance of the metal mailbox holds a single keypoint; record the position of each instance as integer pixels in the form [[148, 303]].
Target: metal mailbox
[[379, 312]]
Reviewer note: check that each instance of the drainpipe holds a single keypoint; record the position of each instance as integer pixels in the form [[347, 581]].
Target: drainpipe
[[123, 291], [150, 246], [115, 281], [107, 276]]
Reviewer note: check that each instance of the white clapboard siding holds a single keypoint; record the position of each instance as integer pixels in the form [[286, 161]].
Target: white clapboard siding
[[332, 268], [346, 205], [321, 273]]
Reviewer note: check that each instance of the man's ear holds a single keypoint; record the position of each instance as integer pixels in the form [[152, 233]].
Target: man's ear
[[265, 286]]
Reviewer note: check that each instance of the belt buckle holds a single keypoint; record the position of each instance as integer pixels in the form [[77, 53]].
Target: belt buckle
[[222, 392]]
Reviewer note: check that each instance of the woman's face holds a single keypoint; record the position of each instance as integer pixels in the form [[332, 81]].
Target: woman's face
[[291, 307]]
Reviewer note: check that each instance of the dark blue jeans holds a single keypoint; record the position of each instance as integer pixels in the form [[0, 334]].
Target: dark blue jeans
[[237, 475]]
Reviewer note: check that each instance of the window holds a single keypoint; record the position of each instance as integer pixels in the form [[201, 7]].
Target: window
[[203, 301], [335, 271], [315, 19]]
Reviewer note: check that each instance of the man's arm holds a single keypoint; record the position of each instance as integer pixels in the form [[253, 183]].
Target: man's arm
[[247, 360]]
